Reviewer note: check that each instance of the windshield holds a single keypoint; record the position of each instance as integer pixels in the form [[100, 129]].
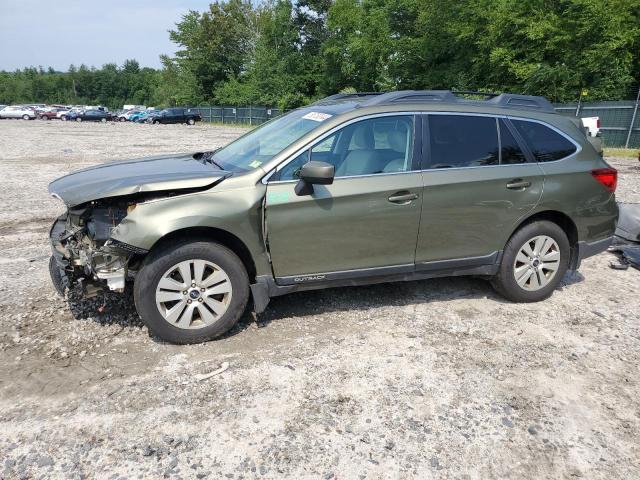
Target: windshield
[[265, 142]]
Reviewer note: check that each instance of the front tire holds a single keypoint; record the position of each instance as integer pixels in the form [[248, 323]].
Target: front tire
[[191, 291], [78, 119], [534, 261], [191, 121], [26, 117]]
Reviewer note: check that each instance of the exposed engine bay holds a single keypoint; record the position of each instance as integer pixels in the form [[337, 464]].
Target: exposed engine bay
[[85, 254]]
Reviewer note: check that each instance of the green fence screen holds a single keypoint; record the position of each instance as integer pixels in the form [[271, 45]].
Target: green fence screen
[[615, 120], [237, 115]]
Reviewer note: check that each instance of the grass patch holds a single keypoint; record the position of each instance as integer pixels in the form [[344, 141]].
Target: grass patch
[[622, 152]]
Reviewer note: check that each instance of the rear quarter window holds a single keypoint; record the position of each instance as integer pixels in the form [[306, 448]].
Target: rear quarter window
[[546, 144]]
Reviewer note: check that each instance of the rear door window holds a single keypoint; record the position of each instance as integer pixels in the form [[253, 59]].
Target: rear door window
[[463, 141], [546, 144]]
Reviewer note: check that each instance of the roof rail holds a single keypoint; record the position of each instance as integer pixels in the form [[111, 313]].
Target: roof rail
[[411, 96], [343, 96], [503, 100], [511, 100], [473, 92]]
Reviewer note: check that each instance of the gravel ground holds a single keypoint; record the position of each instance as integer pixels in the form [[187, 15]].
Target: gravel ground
[[430, 379]]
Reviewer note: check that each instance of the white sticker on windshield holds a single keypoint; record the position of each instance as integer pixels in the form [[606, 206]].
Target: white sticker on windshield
[[317, 116]]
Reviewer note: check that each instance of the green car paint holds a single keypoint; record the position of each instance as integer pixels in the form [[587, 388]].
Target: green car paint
[[442, 222]]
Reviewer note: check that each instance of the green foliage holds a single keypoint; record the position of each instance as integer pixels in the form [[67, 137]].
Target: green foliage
[[110, 85], [285, 54]]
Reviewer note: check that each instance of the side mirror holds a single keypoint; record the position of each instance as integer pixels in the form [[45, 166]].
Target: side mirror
[[314, 173]]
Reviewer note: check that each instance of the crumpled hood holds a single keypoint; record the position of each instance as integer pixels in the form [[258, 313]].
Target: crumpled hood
[[151, 174]]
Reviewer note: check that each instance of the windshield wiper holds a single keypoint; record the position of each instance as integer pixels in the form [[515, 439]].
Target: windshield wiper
[[208, 157]]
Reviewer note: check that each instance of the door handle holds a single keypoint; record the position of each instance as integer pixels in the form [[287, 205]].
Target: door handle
[[518, 184], [403, 197]]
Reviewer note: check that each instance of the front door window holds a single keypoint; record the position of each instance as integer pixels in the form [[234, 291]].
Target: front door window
[[373, 146]]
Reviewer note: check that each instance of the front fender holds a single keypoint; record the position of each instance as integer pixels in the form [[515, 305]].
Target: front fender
[[236, 211]]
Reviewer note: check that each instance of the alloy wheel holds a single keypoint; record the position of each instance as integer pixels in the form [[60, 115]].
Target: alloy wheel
[[537, 263], [193, 294]]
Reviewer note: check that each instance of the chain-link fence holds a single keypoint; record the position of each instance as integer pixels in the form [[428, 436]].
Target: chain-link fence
[[238, 115], [619, 120]]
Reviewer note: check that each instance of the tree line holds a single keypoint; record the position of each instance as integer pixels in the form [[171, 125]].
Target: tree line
[[285, 54]]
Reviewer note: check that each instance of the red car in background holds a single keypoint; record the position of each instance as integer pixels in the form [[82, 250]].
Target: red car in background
[[49, 114]]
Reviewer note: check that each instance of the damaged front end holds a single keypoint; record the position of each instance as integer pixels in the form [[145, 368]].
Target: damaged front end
[[85, 255]]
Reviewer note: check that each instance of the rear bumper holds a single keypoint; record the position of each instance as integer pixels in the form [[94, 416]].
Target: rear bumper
[[589, 249]]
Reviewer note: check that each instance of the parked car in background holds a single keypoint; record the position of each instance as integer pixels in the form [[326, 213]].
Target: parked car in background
[[591, 125], [126, 115], [49, 114], [91, 116], [18, 111], [176, 115], [351, 190], [66, 114], [142, 117], [134, 117]]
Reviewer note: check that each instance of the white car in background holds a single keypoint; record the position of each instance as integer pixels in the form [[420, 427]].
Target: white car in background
[[18, 111], [591, 125], [62, 114]]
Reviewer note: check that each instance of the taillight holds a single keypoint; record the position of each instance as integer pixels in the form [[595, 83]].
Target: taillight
[[598, 122], [608, 177]]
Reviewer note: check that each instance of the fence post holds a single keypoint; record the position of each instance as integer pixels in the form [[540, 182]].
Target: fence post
[[250, 116], [235, 112], [579, 105], [633, 119], [222, 114], [210, 114]]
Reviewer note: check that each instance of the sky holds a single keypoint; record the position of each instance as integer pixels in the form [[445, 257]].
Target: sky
[[59, 33]]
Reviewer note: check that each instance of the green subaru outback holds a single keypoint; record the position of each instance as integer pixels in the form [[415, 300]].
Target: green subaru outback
[[353, 189]]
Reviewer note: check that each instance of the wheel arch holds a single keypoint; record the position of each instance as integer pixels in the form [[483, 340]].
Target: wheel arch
[[563, 221], [213, 234]]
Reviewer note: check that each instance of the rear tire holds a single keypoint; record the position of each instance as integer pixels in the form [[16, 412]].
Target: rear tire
[[156, 122], [78, 119], [207, 314], [533, 263], [191, 121], [26, 117]]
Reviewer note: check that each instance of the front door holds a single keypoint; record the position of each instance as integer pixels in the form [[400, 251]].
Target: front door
[[478, 183], [366, 222]]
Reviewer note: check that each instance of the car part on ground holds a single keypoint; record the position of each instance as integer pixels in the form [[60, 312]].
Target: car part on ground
[[627, 254], [626, 243], [628, 227], [337, 194]]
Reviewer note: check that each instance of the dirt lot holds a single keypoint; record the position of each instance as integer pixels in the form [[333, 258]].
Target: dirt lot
[[432, 379]]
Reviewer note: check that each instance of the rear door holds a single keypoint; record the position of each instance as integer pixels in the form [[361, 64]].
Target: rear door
[[366, 222], [478, 183]]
